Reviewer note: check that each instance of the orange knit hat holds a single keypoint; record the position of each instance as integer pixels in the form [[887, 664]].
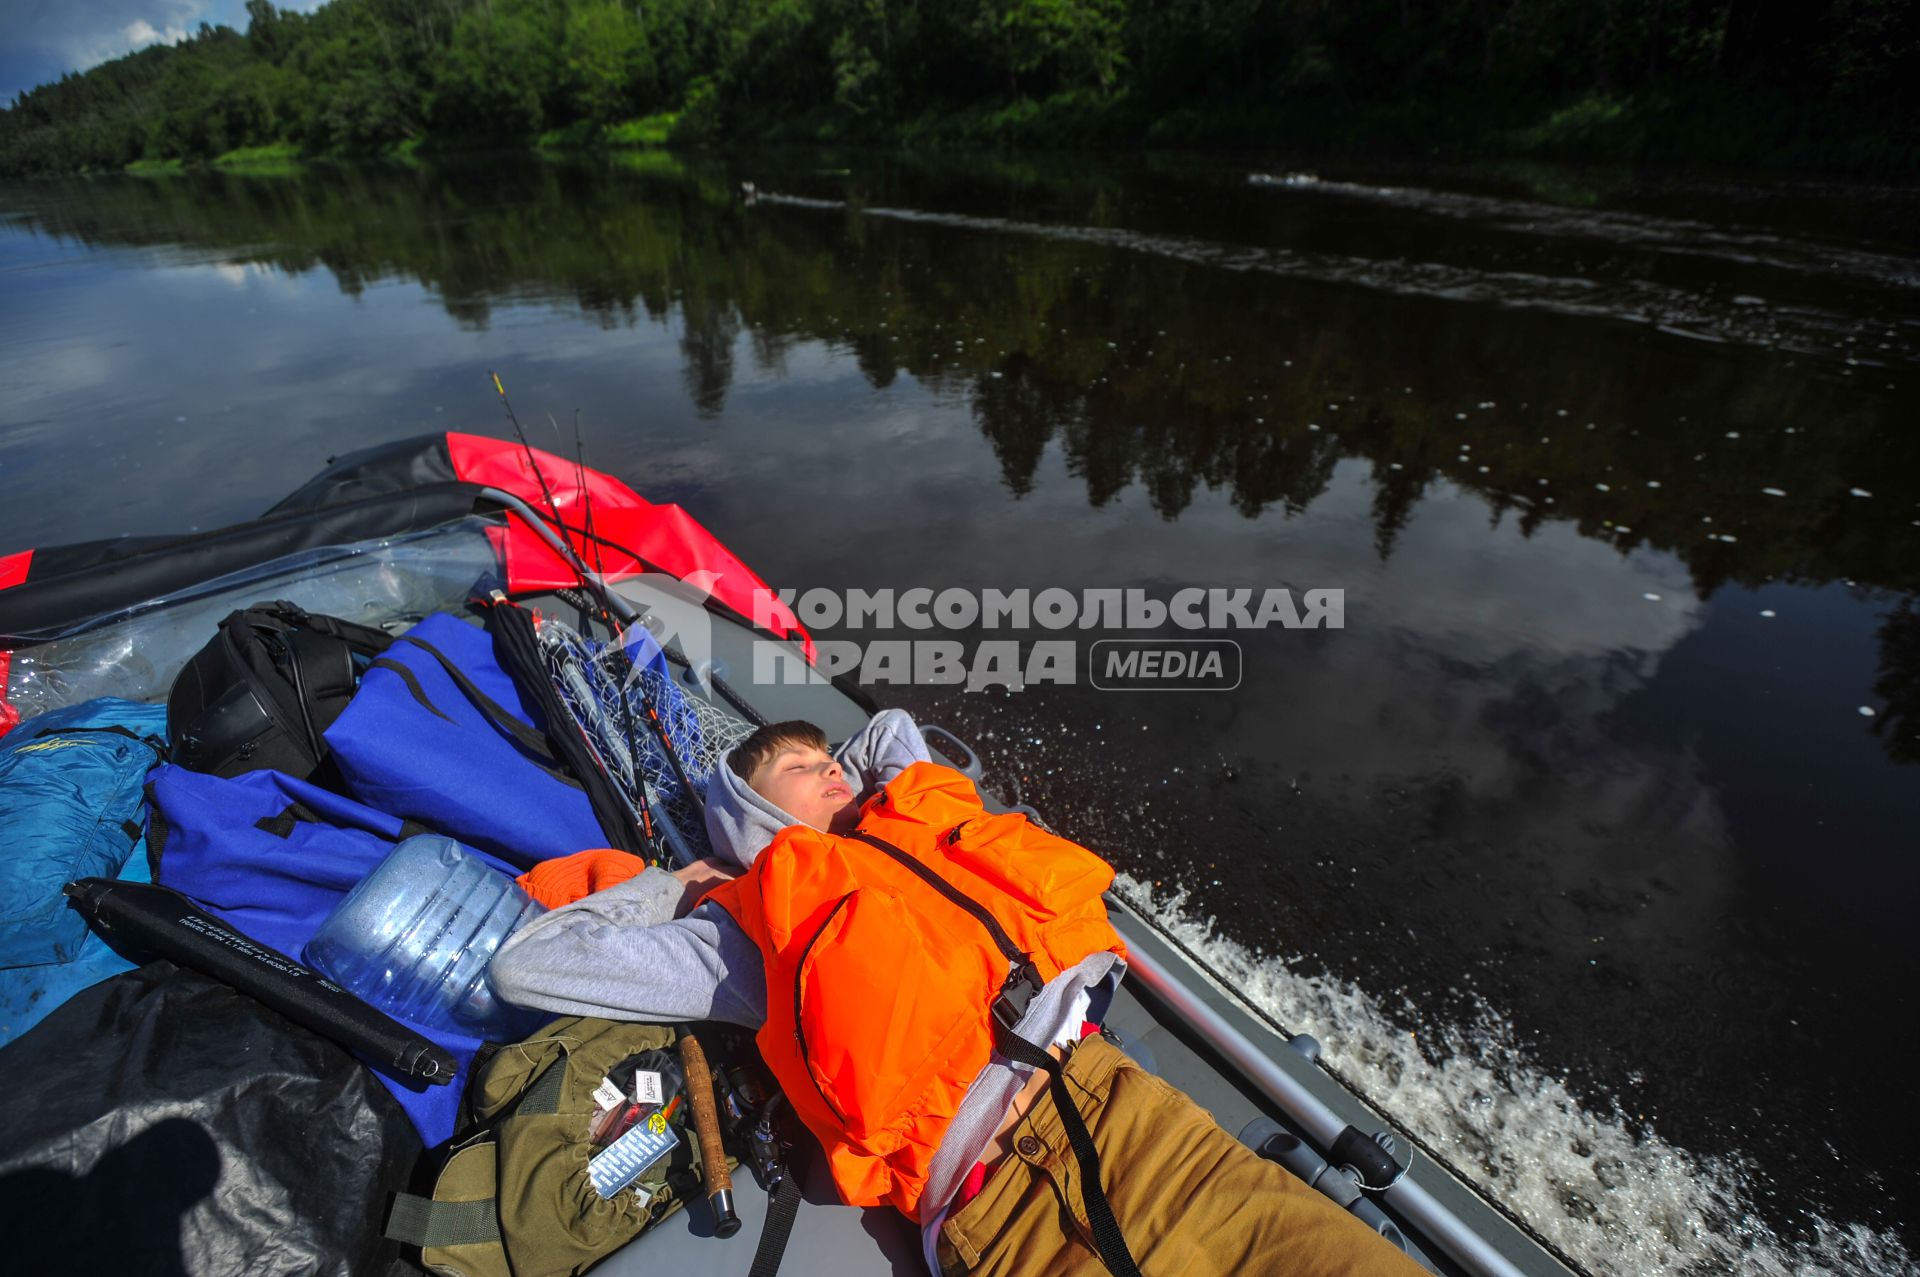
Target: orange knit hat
[[566, 879]]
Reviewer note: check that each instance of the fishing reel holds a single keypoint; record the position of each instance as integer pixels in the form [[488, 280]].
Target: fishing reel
[[755, 1111]]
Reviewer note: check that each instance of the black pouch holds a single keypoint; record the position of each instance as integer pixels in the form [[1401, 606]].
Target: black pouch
[[264, 690]]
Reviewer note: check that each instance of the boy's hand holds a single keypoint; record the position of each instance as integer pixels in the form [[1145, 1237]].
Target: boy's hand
[[699, 878]]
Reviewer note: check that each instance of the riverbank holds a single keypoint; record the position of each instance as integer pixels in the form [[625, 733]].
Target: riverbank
[[1831, 86], [1669, 127]]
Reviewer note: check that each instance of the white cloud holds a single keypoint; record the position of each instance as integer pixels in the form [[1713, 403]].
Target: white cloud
[[81, 36], [140, 33], [47, 38]]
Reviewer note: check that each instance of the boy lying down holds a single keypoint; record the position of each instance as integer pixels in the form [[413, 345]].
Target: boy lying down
[[928, 981]]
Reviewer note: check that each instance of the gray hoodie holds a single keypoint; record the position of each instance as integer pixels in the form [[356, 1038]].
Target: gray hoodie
[[621, 954]]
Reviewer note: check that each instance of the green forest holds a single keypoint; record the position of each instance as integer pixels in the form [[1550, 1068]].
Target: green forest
[[1825, 84]]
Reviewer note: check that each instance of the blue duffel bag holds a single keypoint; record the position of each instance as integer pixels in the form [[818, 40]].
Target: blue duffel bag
[[272, 856], [70, 807], [438, 733]]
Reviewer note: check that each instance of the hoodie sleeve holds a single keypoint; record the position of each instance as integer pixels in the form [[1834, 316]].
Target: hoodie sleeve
[[620, 954], [888, 745]]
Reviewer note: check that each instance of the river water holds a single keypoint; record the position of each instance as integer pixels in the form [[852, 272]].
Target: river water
[[1587, 845]]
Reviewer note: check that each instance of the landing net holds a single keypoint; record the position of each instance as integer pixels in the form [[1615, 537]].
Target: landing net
[[606, 693]]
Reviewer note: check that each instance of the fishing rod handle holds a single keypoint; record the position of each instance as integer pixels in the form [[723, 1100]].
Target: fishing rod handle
[[706, 1124]]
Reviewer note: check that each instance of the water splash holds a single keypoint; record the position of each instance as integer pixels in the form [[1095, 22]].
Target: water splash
[[1605, 1188]]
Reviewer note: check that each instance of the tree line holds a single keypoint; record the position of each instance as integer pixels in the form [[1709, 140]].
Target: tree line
[[1827, 82]]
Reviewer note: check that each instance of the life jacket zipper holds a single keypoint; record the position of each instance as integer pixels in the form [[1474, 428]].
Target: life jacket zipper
[[799, 1033]]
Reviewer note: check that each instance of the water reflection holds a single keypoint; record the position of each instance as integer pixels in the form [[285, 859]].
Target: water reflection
[[1147, 370]]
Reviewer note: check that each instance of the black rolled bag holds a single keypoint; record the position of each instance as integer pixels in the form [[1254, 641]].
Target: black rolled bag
[[262, 693], [160, 1122]]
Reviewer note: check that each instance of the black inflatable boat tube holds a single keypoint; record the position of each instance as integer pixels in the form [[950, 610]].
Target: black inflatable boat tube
[[167, 924]]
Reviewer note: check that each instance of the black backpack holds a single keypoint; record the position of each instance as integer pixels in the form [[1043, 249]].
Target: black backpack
[[262, 692]]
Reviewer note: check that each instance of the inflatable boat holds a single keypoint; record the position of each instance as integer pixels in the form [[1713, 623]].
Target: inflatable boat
[[389, 535]]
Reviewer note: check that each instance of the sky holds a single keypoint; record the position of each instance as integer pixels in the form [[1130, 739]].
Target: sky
[[41, 40]]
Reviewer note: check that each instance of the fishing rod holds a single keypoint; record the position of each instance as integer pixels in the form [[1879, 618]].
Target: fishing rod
[[538, 476], [637, 775], [647, 706], [611, 603], [592, 578], [595, 580], [652, 713]]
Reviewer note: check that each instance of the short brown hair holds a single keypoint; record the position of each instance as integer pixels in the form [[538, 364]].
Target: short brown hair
[[767, 742]]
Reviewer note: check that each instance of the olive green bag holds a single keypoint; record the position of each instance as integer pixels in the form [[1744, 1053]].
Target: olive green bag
[[514, 1199]]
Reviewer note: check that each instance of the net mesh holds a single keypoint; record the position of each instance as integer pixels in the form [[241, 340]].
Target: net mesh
[[607, 695]]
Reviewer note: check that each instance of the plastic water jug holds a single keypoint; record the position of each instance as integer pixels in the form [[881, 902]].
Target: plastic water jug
[[415, 936]]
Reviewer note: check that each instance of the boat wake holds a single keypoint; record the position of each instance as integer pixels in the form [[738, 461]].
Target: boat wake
[[1701, 314], [1605, 1189], [1680, 236]]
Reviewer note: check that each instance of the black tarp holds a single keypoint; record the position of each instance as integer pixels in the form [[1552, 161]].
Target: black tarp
[[162, 1123], [72, 583], [405, 465]]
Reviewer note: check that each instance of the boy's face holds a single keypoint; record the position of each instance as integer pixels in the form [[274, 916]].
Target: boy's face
[[808, 785]]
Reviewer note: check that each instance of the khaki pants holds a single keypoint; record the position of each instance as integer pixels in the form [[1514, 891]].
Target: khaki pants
[[1190, 1199]]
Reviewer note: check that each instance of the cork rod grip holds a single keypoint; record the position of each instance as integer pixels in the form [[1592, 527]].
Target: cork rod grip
[[706, 1124]]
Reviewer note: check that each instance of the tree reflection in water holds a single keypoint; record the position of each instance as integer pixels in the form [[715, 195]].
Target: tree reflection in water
[[1140, 367]]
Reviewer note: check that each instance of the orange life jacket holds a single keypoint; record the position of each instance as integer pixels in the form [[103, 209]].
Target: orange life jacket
[[882, 987]]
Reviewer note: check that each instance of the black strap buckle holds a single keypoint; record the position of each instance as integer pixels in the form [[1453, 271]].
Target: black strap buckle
[[1023, 982]]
